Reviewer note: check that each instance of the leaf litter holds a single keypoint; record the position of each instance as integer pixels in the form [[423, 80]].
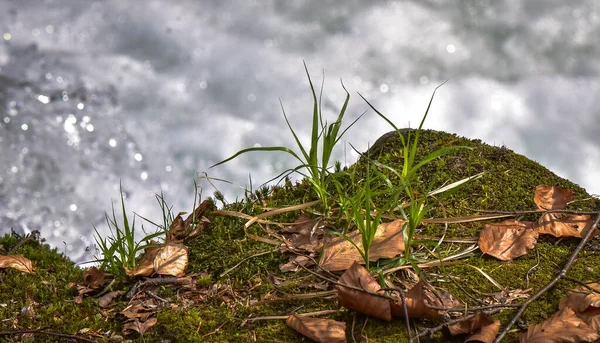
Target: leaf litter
[[309, 239]]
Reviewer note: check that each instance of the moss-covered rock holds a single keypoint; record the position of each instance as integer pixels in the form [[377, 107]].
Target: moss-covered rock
[[223, 299]]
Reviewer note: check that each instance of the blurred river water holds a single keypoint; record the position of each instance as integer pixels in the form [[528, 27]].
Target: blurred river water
[[149, 93]]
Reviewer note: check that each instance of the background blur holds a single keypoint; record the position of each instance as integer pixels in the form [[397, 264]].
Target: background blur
[[151, 92]]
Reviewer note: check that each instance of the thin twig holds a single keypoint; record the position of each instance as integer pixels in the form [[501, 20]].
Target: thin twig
[[308, 314], [352, 330], [294, 297], [246, 259], [405, 308], [518, 213], [552, 282], [157, 297], [48, 333], [348, 286], [186, 280], [583, 284], [34, 235]]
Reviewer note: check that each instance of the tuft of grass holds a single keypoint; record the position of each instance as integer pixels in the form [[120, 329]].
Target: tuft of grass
[[120, 249], [418, 207], [317, 167]]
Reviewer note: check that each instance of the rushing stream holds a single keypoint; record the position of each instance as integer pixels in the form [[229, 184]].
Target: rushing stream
[[148, 93]]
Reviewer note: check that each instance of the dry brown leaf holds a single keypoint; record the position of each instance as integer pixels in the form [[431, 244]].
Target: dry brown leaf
[[171, 259], [181, 229], [295, 262], [369, 304], [552, 197], [305, 234], [507, 240], [18, 262], [563, 326], [585, 303], [487, 334], [138, 326], [564, 226], [581, 298], [105, 300], [317, 329], [481, 328], [140, 309], [340, 254], [145, 266], [419, 299], [93, 277]]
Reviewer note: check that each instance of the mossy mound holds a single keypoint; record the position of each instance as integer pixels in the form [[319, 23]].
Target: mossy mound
[[216, 316]]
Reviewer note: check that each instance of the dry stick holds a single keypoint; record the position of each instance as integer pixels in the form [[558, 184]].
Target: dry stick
[[550, 284], [246, 259], [295, 297], [34, 235], [49, 333], [186, 280], [405, 308], [309, 314], [518, 213], [347, 286]]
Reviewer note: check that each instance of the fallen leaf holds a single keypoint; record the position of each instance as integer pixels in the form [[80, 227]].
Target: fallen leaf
[[171, 259], [305, 234], [93, 277], [18, 262], [581, 298], [138, 326], [585, 303], [317, 329], [563, 326], [181, 230], [105, 300], [295, 262], [552, 197], [419, 299], [507, 240], [145, 266], [140, 309], [369, 304], [481, 328], [487, 334], [340, 254], [564, 226]]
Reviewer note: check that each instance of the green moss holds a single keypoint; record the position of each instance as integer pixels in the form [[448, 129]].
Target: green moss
[[221, 303]]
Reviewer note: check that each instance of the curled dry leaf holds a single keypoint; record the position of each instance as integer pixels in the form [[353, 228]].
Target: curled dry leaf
[[564, 226], [419, 300], [18, 262], [93, 277], [105, 300], [552, 197], [305, 234], [564, 326], [295, 262], [481, 328], [507, 240], [182, 229], [140, 308], [372, 305], [171, 259], [340, 254], [146, 265], [138, 326], [581, 298], [317, 329], [585, 303]]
